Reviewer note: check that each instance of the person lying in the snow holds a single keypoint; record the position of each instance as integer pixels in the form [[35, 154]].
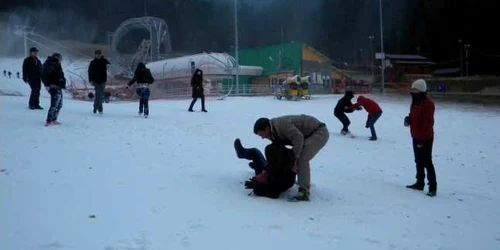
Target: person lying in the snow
[[272, 177], [374, 112]]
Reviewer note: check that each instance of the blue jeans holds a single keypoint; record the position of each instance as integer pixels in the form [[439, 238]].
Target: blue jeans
[[56, 98], [143, 93], [258, 162], [370, 123]]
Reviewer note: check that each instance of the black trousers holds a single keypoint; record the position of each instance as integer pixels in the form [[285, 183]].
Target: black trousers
[[35, 86], [423, 161], [344, 120], [194, 101]]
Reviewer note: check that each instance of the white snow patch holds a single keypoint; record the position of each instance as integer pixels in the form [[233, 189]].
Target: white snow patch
[[173, 181]]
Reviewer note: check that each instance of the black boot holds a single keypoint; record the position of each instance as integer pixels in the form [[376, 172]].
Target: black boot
[[238, 147], [417, 186], [432, 190]]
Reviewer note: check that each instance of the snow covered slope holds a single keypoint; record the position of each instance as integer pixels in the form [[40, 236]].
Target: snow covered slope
[[173, 181]]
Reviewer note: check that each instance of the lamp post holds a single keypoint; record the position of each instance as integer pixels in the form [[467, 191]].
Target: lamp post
[[460, 42], [467, 47], [236, 46], [372, 56], [382, 46]]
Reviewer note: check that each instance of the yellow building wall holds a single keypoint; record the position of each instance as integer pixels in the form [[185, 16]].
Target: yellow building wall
[[310, 55]]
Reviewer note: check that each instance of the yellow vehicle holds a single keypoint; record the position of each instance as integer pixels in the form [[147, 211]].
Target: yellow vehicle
[[294, 88], [288, 89], [304, 87]]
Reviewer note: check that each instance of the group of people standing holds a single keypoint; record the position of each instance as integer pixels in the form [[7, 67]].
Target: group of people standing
[[276, 172], [51, 74]]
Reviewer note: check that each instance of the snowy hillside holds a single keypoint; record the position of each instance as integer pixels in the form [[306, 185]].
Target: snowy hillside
[[173, 181]]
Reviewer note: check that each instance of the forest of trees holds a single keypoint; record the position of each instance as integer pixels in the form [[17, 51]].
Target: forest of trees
[[339, 28]]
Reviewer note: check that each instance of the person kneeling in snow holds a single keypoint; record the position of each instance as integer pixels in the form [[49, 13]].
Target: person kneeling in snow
[[272, 176]]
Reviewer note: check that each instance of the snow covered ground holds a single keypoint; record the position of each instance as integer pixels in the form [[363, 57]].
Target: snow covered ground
[[173, 181]]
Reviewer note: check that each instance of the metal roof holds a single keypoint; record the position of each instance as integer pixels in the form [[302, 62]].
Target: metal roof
[[405, 57], [413, 62]]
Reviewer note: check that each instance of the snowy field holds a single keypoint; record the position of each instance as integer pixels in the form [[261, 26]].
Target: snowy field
[[172, 181]]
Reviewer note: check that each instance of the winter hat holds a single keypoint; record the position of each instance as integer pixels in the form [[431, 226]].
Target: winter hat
[[261, 124], [57, 56], [33, 49], [419, 84]]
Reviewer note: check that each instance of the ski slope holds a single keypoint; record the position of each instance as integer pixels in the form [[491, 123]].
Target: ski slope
[[173, 181]]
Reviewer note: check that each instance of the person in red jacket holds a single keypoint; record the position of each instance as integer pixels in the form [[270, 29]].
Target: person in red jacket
[[374, 112], [421, 123]]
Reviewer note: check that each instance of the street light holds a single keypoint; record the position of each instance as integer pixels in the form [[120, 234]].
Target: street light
[[382, 46], [236, 46], [467, 47], [372, 56], [460, 41]]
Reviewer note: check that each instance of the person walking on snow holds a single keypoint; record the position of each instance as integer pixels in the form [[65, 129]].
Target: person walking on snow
[[143, 77], [32, 75], [98, 75], [374, 112], [198, 91], [54, 81], [307, 136], [344, 105], [421, 123]]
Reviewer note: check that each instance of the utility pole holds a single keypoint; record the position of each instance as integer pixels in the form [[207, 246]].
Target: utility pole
[[372, 56], [467, 47], [460, 42], [24, 31], [236, 46], [382, 46], [145, 8]]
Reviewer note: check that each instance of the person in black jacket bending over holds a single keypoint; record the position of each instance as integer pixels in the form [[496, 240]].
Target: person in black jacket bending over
[[54, 81], [143, 77], [32, 75], [272, 176], [344, 106], [198, 92], [98, 75]]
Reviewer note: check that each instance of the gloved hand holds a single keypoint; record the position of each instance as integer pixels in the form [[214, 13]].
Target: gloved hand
[[249, 184], [295, 166], [366, 126], [420, 143], [407, 121]]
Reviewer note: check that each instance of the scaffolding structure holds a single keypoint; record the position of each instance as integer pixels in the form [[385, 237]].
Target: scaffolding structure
[[149, 50]]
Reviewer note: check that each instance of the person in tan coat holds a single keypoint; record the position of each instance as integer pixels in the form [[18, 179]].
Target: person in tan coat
[[307, 136]]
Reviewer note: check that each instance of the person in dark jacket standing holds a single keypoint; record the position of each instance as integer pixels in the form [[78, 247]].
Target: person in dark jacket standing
[[198, 91], [98, 75], [421, 123], [374, 112], [307, 136], [272, 176], [32, 75], [344, 105], [54, 81], [143, 77]]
